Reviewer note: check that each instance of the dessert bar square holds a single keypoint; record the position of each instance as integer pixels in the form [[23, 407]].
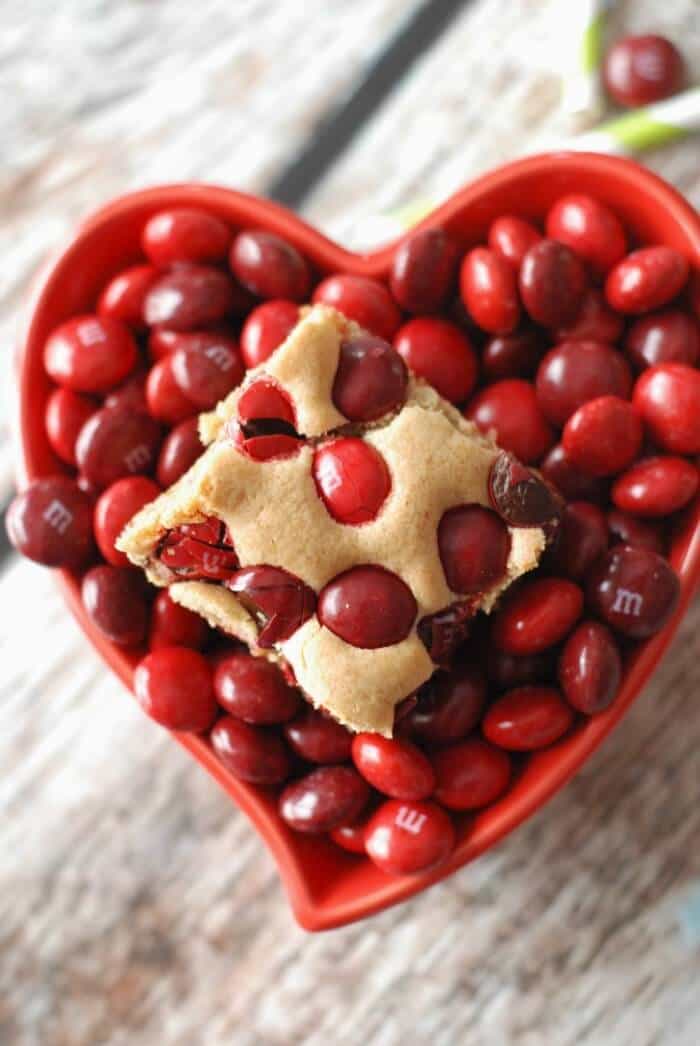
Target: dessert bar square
[[344, 521]]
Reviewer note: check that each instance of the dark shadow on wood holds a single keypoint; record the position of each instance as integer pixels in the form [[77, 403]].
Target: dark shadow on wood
[[341, 125]]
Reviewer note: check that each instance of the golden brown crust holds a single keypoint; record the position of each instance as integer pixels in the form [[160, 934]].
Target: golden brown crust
[[437, 460], [358, 687], [218, 607], [305, 367]]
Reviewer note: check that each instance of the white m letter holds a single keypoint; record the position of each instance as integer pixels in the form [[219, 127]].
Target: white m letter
[[57, 516], [220, 356], [627, 602], [410, 820], [137, 458]]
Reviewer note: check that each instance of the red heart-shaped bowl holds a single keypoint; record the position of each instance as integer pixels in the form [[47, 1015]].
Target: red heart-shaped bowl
[[327, 887]]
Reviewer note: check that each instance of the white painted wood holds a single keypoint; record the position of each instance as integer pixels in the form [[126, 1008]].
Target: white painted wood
[[102, 98], [487, 92]]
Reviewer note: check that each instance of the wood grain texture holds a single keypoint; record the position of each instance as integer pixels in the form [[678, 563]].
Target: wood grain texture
[[111, 97], [136, 904], [487, 92]]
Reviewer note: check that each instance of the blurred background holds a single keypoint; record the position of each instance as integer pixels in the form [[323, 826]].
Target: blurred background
[[136, 904]]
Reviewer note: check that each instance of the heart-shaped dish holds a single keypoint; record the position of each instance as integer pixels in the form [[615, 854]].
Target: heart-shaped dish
[[327, 887]]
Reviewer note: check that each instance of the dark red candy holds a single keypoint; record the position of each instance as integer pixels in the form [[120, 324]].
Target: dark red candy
[[510, 407], [164, 396], [668, 399], [595, 321], [181, 448], [189, 297], [263, 399], [590, 668], [474, 544], [254, 690], [115, 601], [693, 293], [66, 413], [269, 266], [527, 718], [470, 775], [206, 368], [115, 507], [457, 313], [123, 297], [627, 530], [396, 768], [173, 685], [512, 238], [552, 284], [669, 336], [351, 837], [570, 480], [449, 706], [536, 614], [251, 754], [266, 328], [185, 234], [324, 799], [265, 429], [161, 342], [441, 353], [352, 479], [368, 607], [173, 625], [513, 355], [243, 300], [211, 530], [370, 380], [639, 70], [519, 496], [50, 521], [407, 837], [506, 671], [574, 372], [283, 599], [656, 487], [646, 279], [266, 441], [581, 540], [634, 590], [317, 737], [489, 291], [88, 487], [589, 228], [402, 711], [131, 394], [117, 442], [424, 270], [445, 631], [603, 436], [90, 353], [362, 299], [199, 550]]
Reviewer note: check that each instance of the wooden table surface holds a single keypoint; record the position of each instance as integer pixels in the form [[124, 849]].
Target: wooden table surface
[[136, 904]]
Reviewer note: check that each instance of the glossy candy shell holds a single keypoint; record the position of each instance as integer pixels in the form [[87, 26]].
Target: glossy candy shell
[[326, 886]]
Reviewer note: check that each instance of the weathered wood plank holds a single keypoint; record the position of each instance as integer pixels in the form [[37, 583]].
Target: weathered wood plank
[[112, 97], [134, 898], [488, 92]]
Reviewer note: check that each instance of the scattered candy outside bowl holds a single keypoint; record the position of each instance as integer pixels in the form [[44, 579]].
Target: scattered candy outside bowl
[[327, 886]]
